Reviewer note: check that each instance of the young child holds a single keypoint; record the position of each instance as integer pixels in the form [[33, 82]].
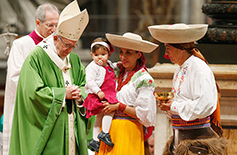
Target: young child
[[100, 85]]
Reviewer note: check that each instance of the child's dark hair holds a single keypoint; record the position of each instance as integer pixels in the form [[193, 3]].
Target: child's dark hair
[[97, 46]]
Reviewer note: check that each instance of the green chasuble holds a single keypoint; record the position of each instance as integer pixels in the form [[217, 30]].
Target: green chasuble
[[38, 125]]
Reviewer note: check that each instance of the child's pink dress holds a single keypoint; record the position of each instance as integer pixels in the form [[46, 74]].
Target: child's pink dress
[[92, 101]]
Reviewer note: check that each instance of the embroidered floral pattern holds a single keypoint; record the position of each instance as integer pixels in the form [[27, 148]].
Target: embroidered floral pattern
[[144, 83], [138, 74], [183, 73], [150, 81]]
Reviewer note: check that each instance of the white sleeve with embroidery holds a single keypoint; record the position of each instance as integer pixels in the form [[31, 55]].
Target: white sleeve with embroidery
[[139, 93], [198, 95]]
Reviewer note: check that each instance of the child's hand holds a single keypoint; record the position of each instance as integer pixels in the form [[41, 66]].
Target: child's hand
[[101, 95], [119, 64]]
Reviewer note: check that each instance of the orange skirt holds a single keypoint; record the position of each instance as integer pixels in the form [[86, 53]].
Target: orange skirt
[[127, 136]]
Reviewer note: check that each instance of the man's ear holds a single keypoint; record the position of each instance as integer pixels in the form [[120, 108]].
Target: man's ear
[[37, 22]]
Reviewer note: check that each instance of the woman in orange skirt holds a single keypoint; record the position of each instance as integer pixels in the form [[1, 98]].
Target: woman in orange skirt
[[135, 92]]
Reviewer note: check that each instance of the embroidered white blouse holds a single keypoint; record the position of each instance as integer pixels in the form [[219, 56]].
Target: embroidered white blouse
[[195, 90], [139, 93]]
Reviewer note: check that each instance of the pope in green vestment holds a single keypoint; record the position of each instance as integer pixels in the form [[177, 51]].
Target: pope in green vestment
[[47, 120], [39, 124]]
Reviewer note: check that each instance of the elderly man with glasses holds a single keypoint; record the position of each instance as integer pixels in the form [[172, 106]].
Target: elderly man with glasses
[[46, 19], [48, 116]]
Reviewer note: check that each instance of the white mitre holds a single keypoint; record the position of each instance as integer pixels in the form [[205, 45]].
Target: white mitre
[[72, 22]]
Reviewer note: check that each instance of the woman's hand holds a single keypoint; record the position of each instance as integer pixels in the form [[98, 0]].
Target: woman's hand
[[165, 106], [108, 108]]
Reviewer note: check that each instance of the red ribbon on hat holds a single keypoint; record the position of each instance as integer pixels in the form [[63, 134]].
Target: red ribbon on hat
[[166, 56], [111, 46]]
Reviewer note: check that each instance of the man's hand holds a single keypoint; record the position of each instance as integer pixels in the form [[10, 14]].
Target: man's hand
[[73, 92]]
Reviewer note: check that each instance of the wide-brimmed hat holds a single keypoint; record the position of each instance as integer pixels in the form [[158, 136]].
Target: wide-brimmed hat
[[178, 33], [72, 22], [131, 41]]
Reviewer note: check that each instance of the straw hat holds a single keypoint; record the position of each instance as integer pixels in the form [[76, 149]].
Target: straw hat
[[72, 22], [131, 41], [178, 33]]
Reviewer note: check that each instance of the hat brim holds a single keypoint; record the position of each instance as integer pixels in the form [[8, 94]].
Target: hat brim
[[132, 44], [164, 34]]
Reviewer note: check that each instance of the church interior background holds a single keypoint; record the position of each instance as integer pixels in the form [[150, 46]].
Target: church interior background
[[120, 16]]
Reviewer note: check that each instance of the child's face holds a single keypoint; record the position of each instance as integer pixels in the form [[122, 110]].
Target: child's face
[[100, 56]]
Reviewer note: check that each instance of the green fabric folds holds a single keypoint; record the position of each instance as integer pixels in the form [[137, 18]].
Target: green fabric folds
[[38, 126]]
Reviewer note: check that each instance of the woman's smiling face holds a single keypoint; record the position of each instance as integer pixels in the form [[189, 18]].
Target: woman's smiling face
[[129, 58]]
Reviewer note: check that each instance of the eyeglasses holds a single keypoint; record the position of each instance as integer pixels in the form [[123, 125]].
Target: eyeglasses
[[51, 25], [66, 45]]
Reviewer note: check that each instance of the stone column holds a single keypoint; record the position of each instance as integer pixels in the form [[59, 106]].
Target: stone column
[[223, 29], [123, 13], [197, 17], [163, 131], [185, 11], [188, 11]]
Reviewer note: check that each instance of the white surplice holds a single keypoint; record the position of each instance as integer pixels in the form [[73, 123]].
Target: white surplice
[[19, 51]]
